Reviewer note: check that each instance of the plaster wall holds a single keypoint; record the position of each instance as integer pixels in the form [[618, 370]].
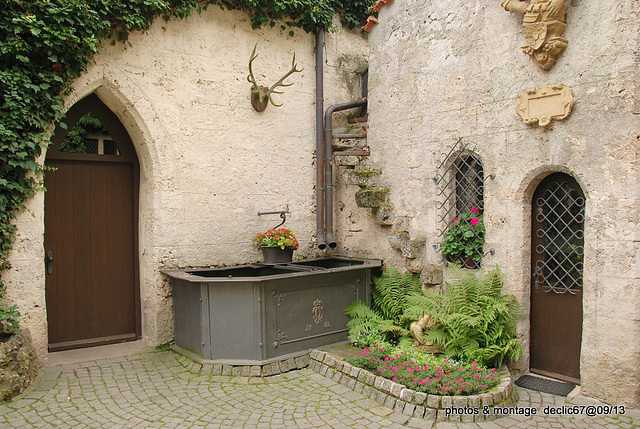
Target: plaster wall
[[439, 71], [208, 162]]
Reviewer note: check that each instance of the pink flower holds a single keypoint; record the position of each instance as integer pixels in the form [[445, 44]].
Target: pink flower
[[455, 219], [474, 221], [394, 378], [474, 210]]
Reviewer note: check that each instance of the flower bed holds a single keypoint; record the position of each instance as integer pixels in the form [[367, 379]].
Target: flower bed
[[437, 377], [475, 407]]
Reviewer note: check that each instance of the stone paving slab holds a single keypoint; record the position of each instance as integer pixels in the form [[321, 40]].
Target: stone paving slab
[[156, 390]]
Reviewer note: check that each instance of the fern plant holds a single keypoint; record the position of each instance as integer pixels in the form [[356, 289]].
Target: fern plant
[[386, 315], [477, 321], [390, 292]]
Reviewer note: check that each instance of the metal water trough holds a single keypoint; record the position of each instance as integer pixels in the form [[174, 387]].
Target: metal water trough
[[256, 314]]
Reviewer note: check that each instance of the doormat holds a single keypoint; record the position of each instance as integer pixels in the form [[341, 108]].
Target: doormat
[[559, 388]]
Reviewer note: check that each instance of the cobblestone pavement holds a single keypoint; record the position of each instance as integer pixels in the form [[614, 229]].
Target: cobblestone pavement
[[155, 389]]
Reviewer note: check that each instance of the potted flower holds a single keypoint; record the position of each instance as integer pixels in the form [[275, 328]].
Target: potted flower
[[463, 242], [277, 245]]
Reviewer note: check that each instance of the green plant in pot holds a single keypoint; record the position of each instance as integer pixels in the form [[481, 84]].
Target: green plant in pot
[[277, 245], [463, 242]]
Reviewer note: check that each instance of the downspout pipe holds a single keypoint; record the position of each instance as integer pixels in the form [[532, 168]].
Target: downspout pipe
[[320, 160], [328, 164]]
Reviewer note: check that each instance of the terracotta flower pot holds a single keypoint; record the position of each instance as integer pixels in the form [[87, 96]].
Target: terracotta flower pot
[[276, 255]]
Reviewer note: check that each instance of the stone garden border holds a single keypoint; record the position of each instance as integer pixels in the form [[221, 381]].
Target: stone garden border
[[474, 408], [192, 363]]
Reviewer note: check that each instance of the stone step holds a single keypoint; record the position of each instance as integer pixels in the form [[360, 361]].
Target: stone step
[[358, 120], [365, 178], [372, 198], [362, 135], [351, 158], [357, 144]]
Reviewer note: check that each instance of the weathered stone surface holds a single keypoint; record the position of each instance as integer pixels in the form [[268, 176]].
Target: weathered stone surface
[[350, 160], [383, 215], [465, 83], [18, 365], [372, 197], [413, 249], [431, 274], [397, 239], [362, 177], [206, 157], [414, 265]]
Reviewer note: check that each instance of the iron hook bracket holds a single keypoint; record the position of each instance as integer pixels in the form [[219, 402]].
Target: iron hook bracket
[[282, 213]]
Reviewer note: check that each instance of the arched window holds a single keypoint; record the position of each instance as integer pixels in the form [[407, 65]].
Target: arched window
[[469, 183], [461, 205]]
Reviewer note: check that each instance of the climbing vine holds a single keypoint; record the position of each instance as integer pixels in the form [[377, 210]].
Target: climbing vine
[[45, 44]]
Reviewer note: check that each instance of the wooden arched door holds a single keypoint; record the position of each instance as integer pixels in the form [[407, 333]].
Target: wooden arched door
[[91, 220], [557, 264]]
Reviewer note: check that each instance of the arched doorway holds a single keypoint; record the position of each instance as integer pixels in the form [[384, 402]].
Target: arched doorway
[[91, 222], [557, 263]]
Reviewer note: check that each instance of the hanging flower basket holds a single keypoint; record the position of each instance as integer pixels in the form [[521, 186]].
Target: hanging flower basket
[[276, 255], [277, 245]]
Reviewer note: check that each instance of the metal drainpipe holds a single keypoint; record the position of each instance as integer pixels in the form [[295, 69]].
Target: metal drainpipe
[[328, 158], [320, 187]]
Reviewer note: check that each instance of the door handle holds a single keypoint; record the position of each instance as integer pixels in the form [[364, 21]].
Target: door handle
[[537, 277], [50, 262]]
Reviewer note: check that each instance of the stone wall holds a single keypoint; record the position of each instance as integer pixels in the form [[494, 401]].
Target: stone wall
[[208, 162], [444, 70]]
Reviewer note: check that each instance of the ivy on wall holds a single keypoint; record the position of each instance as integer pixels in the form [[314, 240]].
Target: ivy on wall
[[45, 44]]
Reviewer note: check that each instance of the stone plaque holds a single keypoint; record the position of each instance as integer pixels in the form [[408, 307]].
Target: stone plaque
[[545, 103]]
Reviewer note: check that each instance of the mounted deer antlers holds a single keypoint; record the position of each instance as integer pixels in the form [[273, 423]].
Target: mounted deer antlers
[[261, 95]]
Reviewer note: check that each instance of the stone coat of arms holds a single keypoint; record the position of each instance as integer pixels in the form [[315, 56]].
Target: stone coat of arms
[[543, 25]]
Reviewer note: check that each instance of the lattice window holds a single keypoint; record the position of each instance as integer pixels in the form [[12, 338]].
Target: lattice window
[[559, 236], [461, 206]]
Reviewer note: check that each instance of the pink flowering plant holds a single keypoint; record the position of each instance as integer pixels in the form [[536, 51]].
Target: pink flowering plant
[[282, 238], [465, 237], [436, 376]]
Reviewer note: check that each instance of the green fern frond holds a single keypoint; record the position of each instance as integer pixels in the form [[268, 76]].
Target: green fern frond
[[360, 310], [405, 341], [390, 293], [437, 336]]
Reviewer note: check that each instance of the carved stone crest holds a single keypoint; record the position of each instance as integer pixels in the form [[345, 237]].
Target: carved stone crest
[[545, 103], [543, 25]]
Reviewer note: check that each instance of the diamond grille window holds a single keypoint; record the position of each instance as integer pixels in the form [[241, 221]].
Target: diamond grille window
[[460, 206], [559, 238]]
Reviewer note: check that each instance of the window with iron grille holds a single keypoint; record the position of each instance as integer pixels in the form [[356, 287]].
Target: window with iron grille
[[461, 206], [558, 235]]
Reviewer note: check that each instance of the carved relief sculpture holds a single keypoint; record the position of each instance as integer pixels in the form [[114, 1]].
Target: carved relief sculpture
[[545, 103], [543, 25]]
